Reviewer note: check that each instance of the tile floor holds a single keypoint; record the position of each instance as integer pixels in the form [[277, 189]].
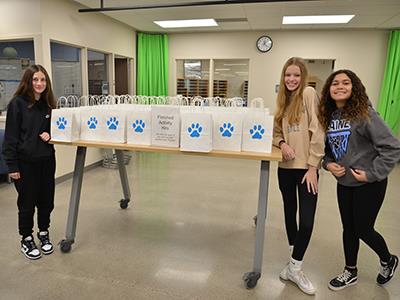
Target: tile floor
[[187, 234]]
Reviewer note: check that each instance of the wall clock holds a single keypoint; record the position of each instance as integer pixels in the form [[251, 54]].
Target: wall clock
[[264, 43]]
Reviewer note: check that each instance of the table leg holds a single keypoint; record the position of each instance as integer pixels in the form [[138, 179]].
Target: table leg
[[251, 278], [124, 179], [65, 245]]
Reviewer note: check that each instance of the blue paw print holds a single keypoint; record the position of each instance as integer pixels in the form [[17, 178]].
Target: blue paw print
[[92, 123], [227, 129], [195, 130], [138, 125], [61, 123], [112, 123], [257, 132]]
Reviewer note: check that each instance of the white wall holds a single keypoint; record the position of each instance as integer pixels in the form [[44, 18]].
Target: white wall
[[363, 51], [19, 18], [62, 22], [59, 20]]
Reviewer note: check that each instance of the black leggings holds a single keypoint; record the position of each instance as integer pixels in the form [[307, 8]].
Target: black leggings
[[359, 206], [289, 185], [35, 189]]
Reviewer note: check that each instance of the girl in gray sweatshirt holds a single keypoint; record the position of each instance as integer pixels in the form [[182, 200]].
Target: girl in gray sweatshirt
[[360, 152]]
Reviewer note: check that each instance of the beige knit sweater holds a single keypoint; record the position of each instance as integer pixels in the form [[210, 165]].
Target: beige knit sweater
[[307, 138]]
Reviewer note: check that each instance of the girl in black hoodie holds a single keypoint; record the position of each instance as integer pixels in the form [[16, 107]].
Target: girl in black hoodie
[[30, 158]]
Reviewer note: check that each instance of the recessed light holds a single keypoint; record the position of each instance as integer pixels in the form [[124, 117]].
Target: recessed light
[[326, 19], [187, 23]]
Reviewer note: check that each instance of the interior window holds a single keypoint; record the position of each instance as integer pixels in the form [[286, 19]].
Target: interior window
[[15, 57]]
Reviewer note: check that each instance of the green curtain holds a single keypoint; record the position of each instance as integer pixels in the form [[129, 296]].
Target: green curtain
[[389, 102], [152, 64]]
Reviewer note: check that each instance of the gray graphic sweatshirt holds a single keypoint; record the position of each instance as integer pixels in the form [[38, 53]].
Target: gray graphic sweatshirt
[[366, 145]]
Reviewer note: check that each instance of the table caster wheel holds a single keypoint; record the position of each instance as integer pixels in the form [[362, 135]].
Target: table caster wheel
[[251, 279], [123, 203], [65, 246]]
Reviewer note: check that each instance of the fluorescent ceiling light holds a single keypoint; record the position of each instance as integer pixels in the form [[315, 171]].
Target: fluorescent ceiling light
[[187, 23], [328, 19]]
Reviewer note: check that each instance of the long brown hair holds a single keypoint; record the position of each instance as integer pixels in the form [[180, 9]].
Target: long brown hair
[[25, 87], [290, 103], [355, 108]]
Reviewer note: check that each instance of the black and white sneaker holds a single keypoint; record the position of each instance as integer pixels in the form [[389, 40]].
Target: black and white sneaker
[[29, 249], [45, 244], [347, 278], [387, 270]]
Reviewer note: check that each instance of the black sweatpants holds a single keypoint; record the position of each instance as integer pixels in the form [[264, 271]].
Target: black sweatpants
[[289, 185], [35, 189], [359, 206]]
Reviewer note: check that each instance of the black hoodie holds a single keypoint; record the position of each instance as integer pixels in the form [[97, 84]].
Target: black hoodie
[[23, 126]]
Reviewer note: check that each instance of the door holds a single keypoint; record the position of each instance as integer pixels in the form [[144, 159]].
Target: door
[[121, 76]]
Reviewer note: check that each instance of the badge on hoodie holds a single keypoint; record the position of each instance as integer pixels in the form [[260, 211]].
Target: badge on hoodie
[[47, 116]]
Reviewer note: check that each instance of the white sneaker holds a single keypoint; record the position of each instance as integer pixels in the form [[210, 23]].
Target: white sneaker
[[284, 273], [29, 248], [299, 278], [45, 244]]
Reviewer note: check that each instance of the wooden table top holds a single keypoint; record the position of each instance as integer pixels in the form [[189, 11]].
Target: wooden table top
[[275, 154]]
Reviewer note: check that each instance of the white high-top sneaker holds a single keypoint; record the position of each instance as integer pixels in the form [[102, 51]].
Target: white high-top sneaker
[[45, 244], [296, 275], [29, 248], [283, 274]]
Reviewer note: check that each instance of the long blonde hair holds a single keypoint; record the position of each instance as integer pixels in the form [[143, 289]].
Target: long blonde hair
[[290, 103]]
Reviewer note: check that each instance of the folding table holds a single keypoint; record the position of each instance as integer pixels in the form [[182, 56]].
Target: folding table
[[250, 278]]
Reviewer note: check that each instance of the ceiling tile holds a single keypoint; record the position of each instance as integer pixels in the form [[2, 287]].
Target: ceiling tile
[[369, 14], [393, 22], [235, 26]]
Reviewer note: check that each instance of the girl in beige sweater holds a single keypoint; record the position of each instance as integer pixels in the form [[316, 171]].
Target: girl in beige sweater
[[299, 135]]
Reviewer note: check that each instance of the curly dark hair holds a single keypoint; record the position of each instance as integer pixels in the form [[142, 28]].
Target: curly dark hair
[[356, 107]]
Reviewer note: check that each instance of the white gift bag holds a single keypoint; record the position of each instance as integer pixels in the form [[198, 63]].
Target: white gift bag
[[90, 123], [138, 124], [257, 131], [258, 105], [196, 131], [165, 125], [65, 124], [227, 129], [113, 123], [103, 123]]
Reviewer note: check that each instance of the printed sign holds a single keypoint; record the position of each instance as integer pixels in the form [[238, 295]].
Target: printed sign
[[165, 123]]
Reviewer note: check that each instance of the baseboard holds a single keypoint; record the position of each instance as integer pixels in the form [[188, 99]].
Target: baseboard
[[87, 168]]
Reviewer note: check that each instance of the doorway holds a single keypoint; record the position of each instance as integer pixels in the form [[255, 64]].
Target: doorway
[[121, 75], [319, 70]]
